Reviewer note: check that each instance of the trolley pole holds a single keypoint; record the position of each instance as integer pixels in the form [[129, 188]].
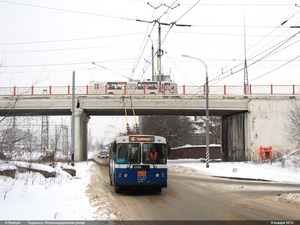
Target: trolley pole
[[207, 110]]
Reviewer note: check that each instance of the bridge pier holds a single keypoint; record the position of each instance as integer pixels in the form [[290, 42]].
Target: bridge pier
[[81, 131], [263, 125], [233, 138], [267, 121]]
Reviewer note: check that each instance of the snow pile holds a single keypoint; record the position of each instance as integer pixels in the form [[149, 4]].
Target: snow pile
[[31, 196], [6, 167], [35, 166], [183, 170], [244, 170], [290, 198]]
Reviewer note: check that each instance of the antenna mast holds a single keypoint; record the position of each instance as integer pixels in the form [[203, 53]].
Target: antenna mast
[[246, 82]]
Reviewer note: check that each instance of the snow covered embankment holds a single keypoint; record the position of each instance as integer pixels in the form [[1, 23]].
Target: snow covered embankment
[[31, 196]]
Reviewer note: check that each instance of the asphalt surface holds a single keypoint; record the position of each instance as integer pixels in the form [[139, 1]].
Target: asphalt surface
[[195, 198]]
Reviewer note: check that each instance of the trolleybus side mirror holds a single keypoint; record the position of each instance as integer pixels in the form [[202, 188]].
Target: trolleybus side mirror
[[114, 146], [169, 149]]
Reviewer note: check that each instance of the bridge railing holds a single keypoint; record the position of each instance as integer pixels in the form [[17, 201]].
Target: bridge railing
[[151, 90]]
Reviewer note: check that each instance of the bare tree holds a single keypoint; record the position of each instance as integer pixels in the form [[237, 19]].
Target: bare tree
[[292, 127], [215, 129], [176, 129]]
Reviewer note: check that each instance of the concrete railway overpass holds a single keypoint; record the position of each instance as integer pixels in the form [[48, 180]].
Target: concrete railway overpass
[[248, 120]]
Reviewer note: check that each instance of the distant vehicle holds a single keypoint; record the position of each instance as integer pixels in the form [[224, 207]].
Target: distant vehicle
[[103, 154], [131, 87]]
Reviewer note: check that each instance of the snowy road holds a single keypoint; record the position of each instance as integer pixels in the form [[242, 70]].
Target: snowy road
[[197, 197]]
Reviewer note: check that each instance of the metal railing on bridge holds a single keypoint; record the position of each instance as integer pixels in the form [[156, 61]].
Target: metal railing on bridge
[[224, 90]]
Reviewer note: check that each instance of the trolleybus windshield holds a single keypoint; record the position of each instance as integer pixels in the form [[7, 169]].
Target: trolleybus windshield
[[128, 153], [154, 153]]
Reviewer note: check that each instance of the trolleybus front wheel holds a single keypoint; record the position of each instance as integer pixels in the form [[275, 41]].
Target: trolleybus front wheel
[[117, 189]]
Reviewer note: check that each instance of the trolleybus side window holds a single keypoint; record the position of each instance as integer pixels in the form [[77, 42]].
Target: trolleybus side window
[[128, 153], [154, 153]]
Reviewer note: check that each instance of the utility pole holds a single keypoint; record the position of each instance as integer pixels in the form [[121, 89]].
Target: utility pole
[[65, 138], [45, 131], [160, 52], [152, 55], [45, 134], [13, 141], [73, 120], [246, 82], [207, 109]]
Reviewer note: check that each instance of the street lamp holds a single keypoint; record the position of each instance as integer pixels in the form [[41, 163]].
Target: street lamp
[[207, 111]]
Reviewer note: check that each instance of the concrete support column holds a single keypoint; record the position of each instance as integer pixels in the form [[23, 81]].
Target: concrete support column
[[81, 134], [247, 129], [233, 138]]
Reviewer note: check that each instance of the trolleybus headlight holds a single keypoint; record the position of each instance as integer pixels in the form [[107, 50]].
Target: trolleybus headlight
[[125, 175], [156, 175]]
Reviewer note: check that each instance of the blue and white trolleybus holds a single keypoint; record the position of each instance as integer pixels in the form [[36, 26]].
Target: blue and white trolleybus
[[138, 161]]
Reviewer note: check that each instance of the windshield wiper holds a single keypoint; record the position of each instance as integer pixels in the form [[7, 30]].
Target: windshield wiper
[[153, 163], [128, 167]]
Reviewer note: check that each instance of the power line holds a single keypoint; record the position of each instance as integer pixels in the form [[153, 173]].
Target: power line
[[160, 51], [175, 23], [142, 49], [49, 64], [68, 40], [188, 10], [235, 26], [68, 49], [68, 63], [68, 10], [273, 51], [224, 34], [110, 70], [276, 68], [257, 43], [228, 4]]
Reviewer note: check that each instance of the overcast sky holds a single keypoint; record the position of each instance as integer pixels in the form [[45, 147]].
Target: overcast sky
[[43, 41]]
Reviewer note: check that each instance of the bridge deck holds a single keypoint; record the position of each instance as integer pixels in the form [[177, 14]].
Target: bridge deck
[[143, 105]]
